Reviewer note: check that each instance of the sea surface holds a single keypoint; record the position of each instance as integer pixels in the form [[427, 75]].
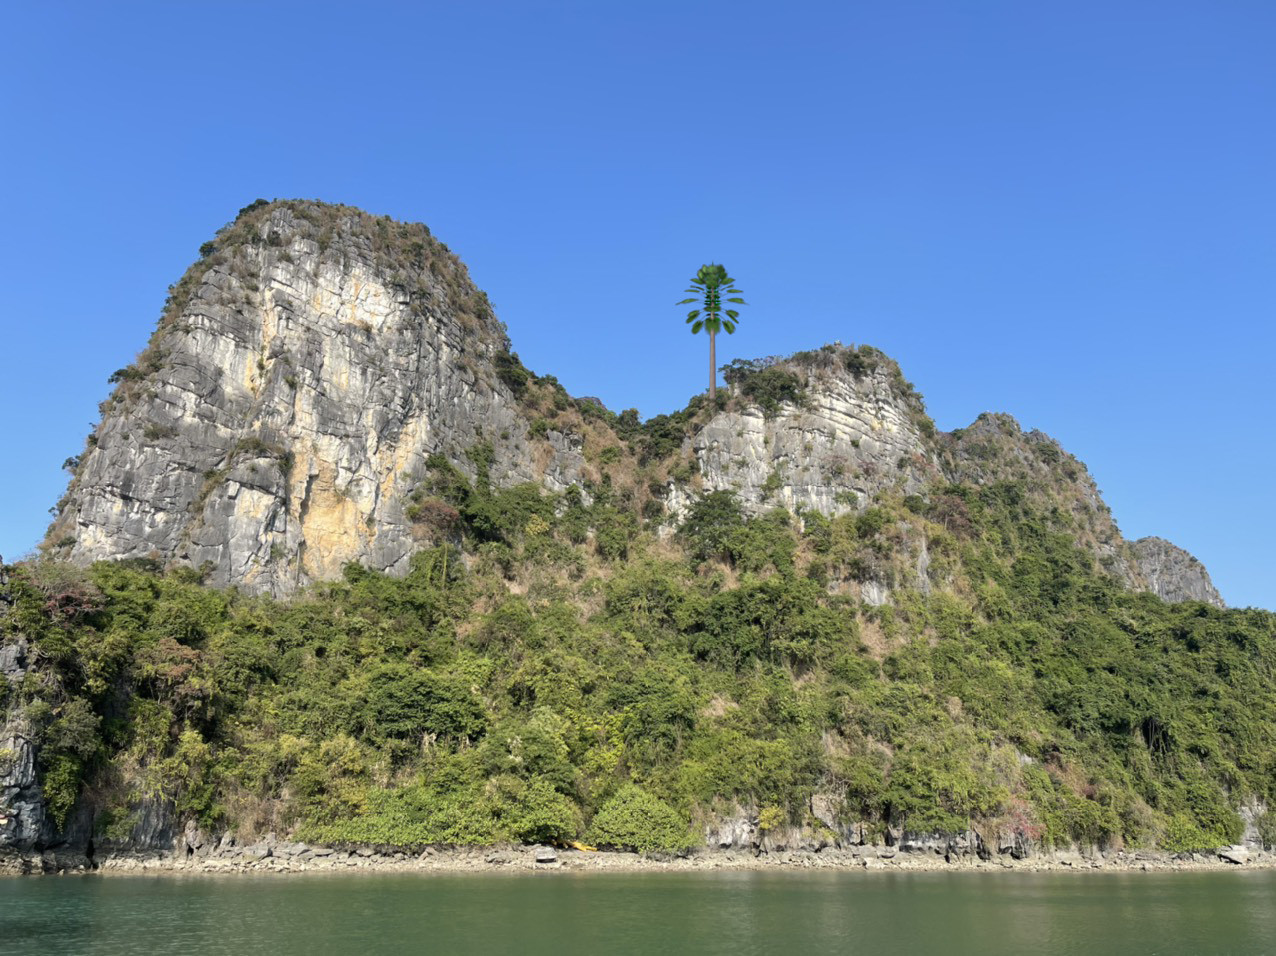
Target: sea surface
[[738, 913]]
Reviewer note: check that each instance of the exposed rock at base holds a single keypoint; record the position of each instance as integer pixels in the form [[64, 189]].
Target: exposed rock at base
[[474, 859], [1234, 854], [22, 816], [22, 813], [788, 846], [1173, 574], [153, 825], [1253, 813], [738, 832], [26, 824]]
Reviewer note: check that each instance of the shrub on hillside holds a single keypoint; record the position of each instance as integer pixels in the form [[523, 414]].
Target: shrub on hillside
[[635, 820], [710, 524], [405, 702], [765, 383]]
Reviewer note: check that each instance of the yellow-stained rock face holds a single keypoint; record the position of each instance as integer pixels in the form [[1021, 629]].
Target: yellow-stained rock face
[[289, 403], [332, 526]]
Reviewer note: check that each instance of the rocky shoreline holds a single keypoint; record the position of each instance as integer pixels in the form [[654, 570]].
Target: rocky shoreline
[[272, 856]]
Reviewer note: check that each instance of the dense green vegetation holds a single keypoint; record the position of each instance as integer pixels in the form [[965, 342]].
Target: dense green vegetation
[[550, 670], [766, 382]]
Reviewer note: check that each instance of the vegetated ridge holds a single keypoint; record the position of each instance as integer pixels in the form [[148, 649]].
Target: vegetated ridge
[[334, 564]]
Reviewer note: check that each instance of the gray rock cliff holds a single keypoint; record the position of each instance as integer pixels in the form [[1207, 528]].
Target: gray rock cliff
[[301, 376], [311, 362], [22, 816], [857, 431], [1172, 574], [994, 449]]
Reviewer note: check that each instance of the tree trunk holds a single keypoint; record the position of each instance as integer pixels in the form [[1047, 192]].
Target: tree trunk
[[713, 374]]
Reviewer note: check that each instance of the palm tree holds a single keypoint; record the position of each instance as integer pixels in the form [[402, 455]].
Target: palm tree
[[707, 289]]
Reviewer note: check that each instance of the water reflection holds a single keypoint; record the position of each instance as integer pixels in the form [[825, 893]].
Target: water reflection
[[735, 913]]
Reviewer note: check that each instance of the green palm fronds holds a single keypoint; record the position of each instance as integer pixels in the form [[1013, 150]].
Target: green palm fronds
[[710, 289]]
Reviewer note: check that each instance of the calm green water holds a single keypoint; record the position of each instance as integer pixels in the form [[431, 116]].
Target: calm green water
[[736, 913]]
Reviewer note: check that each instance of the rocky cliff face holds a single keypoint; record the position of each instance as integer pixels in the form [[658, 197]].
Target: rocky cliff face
[[25, 821], [308, 365], [995, 449], [852, 429], [281, 416], [22, 816], [1172, 574]]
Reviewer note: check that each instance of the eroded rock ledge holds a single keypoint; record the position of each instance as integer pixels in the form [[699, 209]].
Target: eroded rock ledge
[[271, 857]]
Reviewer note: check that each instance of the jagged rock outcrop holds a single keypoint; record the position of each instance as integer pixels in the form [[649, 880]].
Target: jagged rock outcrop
[[1173, 574], [995, 449], [22, 814], [307, 367], [856, 431], [284, 411]]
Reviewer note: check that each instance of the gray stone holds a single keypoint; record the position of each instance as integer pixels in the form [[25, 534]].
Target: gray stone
[[1172, 574], [855, 437], [262, 850], [1234, 854], [937, 843], [291, 406], [154, 827], [734, 832], [13, 659], [22, 817], [1252, 812], [826, 808]]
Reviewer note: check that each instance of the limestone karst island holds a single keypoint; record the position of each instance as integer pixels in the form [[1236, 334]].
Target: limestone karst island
[[338, 581]]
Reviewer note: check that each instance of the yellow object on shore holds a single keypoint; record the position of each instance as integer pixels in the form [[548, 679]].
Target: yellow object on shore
[[582, 846]]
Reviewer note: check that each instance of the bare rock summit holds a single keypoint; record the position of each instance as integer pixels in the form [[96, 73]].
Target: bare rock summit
[[1173, 574]]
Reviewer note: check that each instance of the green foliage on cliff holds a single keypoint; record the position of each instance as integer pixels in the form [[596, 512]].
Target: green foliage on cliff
[[766, 383], [635, 820], [576, 677]]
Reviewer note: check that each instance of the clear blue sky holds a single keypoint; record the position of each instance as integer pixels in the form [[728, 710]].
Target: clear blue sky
[[1064, 211]]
